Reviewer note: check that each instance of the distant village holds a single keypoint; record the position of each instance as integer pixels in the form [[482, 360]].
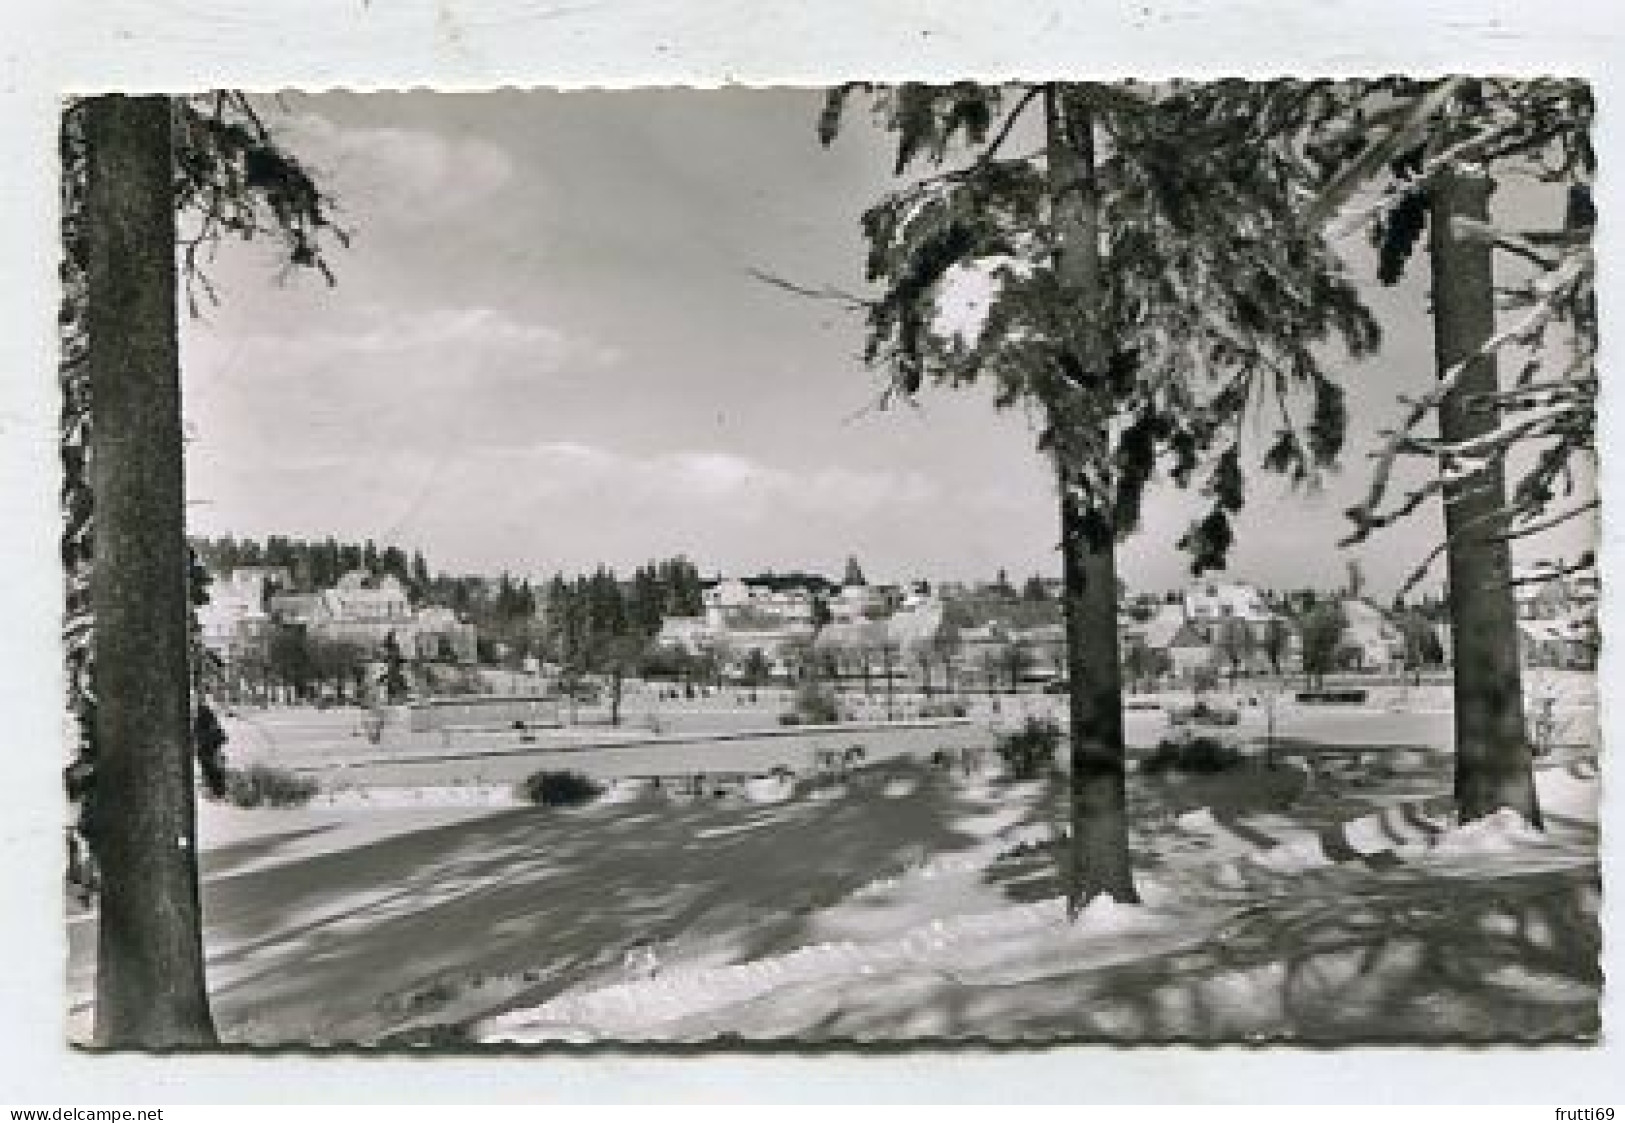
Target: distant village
[[987, 635], [371, 635]]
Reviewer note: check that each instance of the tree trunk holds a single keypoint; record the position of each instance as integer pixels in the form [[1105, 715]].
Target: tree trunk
[[1099, 859], [1493, 763], [887, 666], [149, 970]]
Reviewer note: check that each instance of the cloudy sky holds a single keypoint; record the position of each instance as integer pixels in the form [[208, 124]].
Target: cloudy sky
[[545, 351]]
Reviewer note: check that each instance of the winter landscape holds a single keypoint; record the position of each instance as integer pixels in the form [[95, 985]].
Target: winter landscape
[[907, 564]]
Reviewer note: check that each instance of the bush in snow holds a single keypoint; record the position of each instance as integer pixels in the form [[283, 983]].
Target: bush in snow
[[1203, 712], [1204, 680], [1191, 754], [559, 788], [814, 705], [260, 785], [1029, 751]]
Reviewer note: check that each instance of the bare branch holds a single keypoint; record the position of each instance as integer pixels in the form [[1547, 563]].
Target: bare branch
[[992, 149], [1554, 521], [851, 301]]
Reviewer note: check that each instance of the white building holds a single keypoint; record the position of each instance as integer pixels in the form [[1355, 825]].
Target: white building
[[1208, 602], [917, 623], [856, 603], [353, 599], [236, 604], [1374, 641], [364, 612], [687, 632]]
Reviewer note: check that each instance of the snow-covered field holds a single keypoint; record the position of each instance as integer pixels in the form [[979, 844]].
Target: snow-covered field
[[1391, 926]]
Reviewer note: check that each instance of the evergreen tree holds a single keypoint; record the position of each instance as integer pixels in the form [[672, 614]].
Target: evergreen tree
[[1277, 637], [129, 164], [419, 578], [392, 560], [1321, 630], [645, 600], [1149, 281], [149, 980], [278, 552], [396, 684], [1234, 640], [299, 576], [325, 573], [821, 617], [292, 658], [1434, 148]]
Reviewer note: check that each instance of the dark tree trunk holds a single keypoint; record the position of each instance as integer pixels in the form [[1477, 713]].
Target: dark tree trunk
[[1099, 858], [149, 969], [887, 666], [1493, 763]]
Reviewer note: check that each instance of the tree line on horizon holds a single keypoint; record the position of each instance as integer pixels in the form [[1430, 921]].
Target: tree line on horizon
[[601, 624]]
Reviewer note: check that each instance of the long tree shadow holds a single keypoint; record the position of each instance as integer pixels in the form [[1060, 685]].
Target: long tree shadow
[[1156, 836], [447, 924], [1370, 959], [222, 861], [343, 946]]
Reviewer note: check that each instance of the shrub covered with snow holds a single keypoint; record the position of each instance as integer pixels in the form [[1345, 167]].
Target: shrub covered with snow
[[261, 785], [1203, 712], [1029, 751], [814, 705], [1196, 753]]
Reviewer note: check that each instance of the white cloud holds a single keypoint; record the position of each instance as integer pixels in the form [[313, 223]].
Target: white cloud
[[569, 503], [378, 330], [403, 176], [359, 382], [715, 475], [384, 330], [726, 485]]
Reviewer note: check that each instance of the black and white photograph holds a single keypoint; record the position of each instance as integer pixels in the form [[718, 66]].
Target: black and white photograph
[[879, 563]]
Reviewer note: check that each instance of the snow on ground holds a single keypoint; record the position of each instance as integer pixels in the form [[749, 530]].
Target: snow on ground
[[793, 987], [1328, 899], [234, 841], [242, 848]]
